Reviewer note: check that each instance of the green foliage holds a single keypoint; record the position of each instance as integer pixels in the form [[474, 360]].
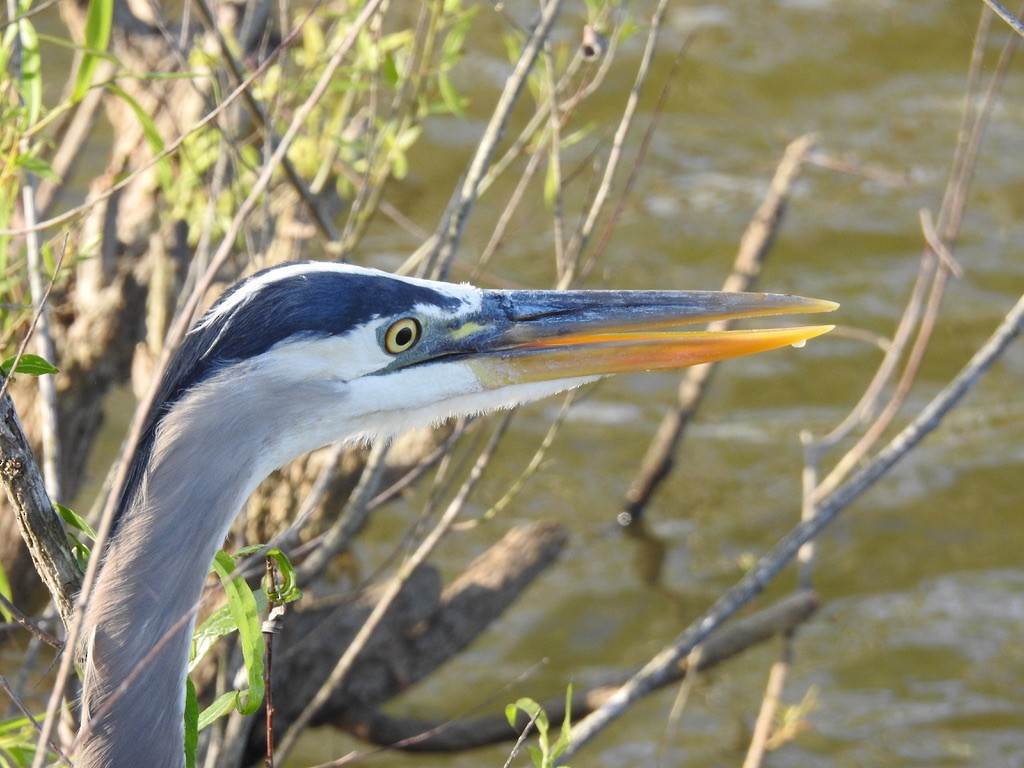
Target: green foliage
[[97, 35], [241, 614], [288, 590], [245, 612], [358, 133], [79, 549], [18, 738], [25, 147], [5, 590], [545, 753], [191, 724], [150, 131], [29, 365]]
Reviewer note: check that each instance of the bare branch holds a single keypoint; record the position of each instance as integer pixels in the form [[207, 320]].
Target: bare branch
[[754, 249], [40, 525], [469, 733], [1004, 14], [449, 233]]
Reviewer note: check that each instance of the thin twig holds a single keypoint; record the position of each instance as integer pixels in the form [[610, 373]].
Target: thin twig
[[320, 219], [583, 232], [615, 216], [25, 623], [50, 432], [270, 627], [555, 163], [535, 132], [30, 718], [449, 233], [919, 313], [521, 740], [769, 706], [754, 248], [1003, 13], [693, 662]]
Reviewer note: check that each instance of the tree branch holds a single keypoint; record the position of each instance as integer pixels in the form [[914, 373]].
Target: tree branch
[[40, 526], [754, 248], [469, 733]]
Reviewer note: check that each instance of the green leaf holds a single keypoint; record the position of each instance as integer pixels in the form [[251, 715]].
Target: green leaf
[[218, 624], [97, 36], [70, 517], [243, 609], [220, 707], [565, 734], [31, 70], [72, 520], [191, 724], [455, 103], [389, 69], [38, 167], [30, 365], [532, 709], [18, 741], [289, 591], [5, 590], [149, 130]]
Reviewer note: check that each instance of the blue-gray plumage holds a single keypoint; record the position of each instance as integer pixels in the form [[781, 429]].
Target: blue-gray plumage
[[303, 355]]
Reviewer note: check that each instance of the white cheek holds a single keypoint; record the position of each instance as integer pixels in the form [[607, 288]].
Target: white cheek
[[340, 358], [383, 407]]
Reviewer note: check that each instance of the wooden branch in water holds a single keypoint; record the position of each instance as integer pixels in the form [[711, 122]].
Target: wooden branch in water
[[425, 627], [754, 248], [456, 735]]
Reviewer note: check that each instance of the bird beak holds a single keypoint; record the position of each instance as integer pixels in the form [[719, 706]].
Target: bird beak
[[545, 335]]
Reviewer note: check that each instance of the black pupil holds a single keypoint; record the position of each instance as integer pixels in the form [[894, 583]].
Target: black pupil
[[404, 336]]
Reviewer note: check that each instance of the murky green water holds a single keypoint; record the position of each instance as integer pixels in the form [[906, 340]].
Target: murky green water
[[915, 658]]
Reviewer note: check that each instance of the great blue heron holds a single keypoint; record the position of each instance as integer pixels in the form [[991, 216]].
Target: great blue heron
[[303, 355]]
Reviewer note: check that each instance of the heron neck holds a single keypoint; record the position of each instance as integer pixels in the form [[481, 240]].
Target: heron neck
[[139, 621]]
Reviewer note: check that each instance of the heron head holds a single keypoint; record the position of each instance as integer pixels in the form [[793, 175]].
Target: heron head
[[375, 354]]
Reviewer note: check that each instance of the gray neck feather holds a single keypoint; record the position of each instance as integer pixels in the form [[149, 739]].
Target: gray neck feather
[[211, 451]]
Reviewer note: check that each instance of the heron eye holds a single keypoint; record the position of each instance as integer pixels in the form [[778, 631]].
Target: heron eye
[[402, 335]]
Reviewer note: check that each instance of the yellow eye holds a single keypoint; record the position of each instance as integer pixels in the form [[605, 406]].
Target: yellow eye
[[402, 335]]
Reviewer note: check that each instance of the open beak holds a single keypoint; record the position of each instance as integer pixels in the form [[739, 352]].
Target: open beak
[[525, 336]]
